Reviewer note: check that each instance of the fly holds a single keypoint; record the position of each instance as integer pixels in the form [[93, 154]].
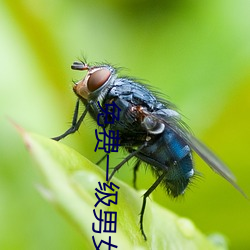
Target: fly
[[150, 129]]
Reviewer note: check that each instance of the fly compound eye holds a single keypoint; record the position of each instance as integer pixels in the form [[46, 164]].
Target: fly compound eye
[[97, 79]]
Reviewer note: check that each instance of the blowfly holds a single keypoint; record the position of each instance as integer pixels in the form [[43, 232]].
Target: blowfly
[[150, 129]]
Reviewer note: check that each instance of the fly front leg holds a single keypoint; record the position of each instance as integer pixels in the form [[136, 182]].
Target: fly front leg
[[75, 123], [144, 201]]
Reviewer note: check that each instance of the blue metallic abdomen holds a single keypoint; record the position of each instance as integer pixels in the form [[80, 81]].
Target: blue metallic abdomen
[[170, 154]]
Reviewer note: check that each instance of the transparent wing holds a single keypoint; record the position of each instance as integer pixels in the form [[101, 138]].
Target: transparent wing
[[175, 124], [207, 155]]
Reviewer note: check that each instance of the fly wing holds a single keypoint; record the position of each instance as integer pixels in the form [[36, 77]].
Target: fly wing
[[208, 156], [174, 123]]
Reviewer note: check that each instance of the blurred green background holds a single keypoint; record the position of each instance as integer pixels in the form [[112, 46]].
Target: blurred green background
[[195, 52]]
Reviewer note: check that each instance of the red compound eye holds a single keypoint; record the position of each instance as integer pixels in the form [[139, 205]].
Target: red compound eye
[[97, 79]]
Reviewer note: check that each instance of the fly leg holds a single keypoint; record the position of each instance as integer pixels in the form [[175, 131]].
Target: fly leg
[[102, 159], [75, 123], [145, 196], [136, 167], [132, 154]]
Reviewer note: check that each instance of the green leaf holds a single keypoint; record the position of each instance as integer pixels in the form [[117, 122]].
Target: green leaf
[[70, 181]]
